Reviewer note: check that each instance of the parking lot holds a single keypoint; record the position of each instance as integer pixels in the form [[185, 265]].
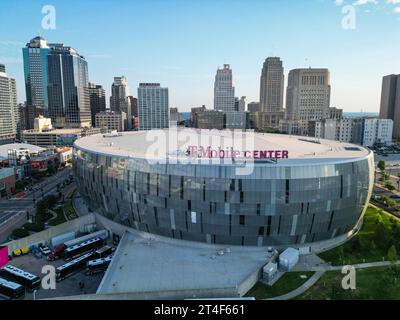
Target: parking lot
[[68, 287]]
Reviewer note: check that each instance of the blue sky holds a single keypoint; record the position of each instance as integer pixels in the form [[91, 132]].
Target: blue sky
[[180, 43]]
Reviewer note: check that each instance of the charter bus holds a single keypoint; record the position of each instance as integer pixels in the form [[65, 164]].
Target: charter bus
[[73, 266], [98, 265], [11, 289], [28, 280], [104, 252], [77, 249]]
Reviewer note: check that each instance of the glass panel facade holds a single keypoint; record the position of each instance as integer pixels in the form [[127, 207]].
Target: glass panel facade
[[279, 205]]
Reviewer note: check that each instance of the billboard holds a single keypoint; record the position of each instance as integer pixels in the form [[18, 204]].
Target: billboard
[[67, 139], [3, 256]]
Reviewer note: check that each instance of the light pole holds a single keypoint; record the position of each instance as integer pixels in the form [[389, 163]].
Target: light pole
[[34, 294]]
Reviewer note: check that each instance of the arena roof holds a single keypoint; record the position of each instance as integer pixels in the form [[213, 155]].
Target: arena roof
[[141, 144]]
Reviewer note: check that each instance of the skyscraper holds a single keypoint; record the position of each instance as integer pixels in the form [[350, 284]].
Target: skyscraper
[[390, 102], [153, 106], [97, 100], [308, 94], [133, 101], [9, 112], [242, 106], [35, 70], [224, 92], [120, 101], [271, 85], [69, 101]]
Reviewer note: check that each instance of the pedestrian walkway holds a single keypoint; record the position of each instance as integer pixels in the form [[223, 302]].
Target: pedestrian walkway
[[79, 205], [303, 288]]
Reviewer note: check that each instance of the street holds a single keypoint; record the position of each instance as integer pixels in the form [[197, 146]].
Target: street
[[13, 211]]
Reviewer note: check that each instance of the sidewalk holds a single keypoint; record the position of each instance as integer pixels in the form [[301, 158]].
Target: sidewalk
[[300, 290], [79, 205]]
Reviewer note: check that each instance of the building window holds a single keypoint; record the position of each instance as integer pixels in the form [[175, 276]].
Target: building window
[[194, 217]]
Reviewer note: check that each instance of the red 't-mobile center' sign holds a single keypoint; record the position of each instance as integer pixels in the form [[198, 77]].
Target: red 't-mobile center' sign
[[209, 152]]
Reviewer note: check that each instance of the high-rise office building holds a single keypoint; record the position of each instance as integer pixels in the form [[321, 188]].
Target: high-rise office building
[[153, 106], [35, 70], [390, 102], [242, 106], [69, 101], [120, 101], [194, 115], [271, 95], [97, 100], [9, 112], [308, 94], [133, 101], [224, 92], [111, 120], [253, 107], [271, 85]]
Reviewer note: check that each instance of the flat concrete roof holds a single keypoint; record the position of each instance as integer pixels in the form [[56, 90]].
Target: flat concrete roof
[[5, 147], [140, 265], [161, 144]]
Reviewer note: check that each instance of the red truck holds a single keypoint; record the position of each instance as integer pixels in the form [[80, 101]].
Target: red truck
[[57, 253]]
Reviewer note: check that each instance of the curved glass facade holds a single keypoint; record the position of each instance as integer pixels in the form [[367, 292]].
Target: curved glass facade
[[275, 205]]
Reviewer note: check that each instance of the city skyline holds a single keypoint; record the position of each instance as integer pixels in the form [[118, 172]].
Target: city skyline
[[154, 53]]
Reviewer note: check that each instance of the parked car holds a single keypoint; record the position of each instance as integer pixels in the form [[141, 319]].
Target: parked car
[[44, 249]]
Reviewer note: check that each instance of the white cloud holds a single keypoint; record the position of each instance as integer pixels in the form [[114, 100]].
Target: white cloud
[[396, 10], [393, 1], [339, 2], [363, 2]]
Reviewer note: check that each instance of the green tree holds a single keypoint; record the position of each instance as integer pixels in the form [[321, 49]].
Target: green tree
[[381, 165], [382, 236], [392, 254], [373, 245], [389, 186]]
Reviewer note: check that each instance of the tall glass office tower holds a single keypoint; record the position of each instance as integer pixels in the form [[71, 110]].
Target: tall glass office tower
[[68, 94], [35, 70], [56, 82]]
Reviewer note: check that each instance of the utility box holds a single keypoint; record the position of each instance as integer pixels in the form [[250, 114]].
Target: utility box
[[288, 259], [269, 271]]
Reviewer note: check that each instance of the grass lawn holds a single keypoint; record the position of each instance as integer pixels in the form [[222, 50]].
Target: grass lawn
[[378, 233], [371, 284], [288, 282], [59, 219], [69, 210]]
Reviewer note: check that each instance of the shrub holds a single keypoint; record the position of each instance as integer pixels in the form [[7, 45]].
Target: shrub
[[35, 227], [20, 233]]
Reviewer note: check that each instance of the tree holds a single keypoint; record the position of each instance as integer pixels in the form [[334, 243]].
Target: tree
[[389, 186], [392, 254], [381, 165], [396, 230], [382, 236]]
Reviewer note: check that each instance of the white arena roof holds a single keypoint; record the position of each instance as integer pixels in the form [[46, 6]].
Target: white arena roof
[[161, 144]]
